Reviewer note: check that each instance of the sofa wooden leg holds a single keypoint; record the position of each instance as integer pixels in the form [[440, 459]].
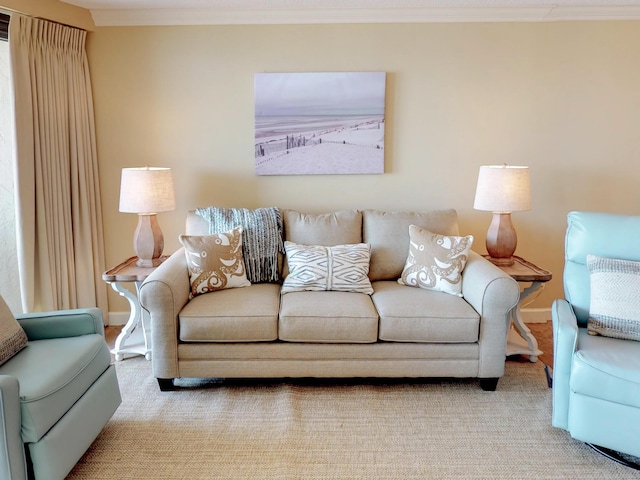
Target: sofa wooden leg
[[489, 384], [166, 384]]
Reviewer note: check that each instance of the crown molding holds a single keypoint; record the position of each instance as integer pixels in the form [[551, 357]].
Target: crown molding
[[177, 16]]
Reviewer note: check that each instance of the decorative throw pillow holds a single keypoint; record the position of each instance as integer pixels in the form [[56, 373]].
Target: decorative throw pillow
[[435, 262], [342, 268], [614, 309], [12, 336], [215, 261]]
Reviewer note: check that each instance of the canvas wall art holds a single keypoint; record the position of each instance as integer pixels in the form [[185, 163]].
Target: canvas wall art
[[319, 123]]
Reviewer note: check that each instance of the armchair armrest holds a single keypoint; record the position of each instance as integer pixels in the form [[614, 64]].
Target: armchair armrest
[[565, 338], [62, 323], [492, 293], [163, 294], [12, 458]]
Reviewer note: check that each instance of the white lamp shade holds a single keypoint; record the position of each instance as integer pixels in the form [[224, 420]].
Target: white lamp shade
[[503, 188], [147, 190]]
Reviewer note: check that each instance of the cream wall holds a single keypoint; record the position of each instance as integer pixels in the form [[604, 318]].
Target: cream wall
[[562, 98]]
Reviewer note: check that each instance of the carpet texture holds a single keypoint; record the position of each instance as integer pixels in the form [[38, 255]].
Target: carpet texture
[[389, 430]]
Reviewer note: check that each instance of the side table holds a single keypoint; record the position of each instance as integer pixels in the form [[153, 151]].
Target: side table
[[135, 337], [520, 340]]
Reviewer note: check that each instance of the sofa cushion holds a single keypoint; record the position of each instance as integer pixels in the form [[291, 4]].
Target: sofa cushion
[[342, 268], [418, 315], [388, 235], [247, 314], [337, 228], [614, 306], [12, 336], [215, 261], [53, 375], [328, 317], [435, 261]]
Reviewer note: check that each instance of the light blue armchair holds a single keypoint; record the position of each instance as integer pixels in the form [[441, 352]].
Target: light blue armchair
[[56, 394], [596, 379]]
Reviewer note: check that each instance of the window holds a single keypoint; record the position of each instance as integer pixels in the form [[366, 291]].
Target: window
[[4, 26]]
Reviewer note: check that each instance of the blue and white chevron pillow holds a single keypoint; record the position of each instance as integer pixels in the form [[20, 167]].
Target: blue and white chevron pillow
[[342, 268]]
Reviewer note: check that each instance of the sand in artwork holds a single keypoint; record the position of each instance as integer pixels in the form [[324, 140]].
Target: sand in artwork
[[319, 123]]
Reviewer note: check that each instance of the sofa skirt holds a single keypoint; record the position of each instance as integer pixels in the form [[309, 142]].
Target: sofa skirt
[[281, 360]]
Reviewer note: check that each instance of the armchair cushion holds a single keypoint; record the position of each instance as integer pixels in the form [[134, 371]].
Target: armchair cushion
[[615, 298], [607, 368], [12, 336], [53, 374]]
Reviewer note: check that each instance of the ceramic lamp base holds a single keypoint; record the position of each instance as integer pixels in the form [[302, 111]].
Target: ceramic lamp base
[[148, 241], [501, 239]]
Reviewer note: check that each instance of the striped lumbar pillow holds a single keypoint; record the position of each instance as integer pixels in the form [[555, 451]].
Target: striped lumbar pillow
[[343, 268], [615, 298]]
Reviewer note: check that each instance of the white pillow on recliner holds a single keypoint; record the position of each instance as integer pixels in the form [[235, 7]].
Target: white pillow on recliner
[[614, 309]]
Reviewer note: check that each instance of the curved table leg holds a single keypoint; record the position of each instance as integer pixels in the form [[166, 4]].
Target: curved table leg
[[132, 340], [520, 340]]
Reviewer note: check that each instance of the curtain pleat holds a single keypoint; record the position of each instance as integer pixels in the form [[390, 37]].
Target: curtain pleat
[[61, 251]]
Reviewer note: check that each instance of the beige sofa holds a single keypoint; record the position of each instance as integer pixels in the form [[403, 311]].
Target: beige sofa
[[398, 331]]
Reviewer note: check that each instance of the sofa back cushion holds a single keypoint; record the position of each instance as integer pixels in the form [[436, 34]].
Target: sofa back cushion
[[328, 229], [388, 235], [196, 225]]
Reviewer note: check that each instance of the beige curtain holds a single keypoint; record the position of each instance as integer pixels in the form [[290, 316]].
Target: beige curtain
[[60, 241]]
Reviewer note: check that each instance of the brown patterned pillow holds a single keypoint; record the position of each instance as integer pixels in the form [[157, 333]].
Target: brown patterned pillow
[[435, 262], [215, 261], [12, 336]]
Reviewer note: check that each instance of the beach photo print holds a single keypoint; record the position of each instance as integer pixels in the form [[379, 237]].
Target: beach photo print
[[319, 123]]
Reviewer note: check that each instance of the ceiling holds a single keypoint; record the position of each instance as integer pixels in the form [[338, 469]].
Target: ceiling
[[191, 12]]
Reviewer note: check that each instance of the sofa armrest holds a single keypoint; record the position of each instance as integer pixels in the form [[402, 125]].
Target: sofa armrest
[[12, 458], [62, 323], [565, 338], [163, 294], [492, 293]]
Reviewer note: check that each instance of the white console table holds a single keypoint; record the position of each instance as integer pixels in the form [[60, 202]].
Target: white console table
[[135, 337]]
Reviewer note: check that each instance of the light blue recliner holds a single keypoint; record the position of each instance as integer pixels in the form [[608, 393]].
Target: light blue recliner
[[56, 394], [596, 379]]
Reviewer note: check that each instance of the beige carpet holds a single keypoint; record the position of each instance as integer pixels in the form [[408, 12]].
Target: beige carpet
[[337, 430]]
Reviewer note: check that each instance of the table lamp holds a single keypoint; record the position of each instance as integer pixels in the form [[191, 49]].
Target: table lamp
[[502, 189], [147, 191]]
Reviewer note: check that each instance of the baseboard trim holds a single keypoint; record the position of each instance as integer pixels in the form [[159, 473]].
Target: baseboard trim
[[529, 315]]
